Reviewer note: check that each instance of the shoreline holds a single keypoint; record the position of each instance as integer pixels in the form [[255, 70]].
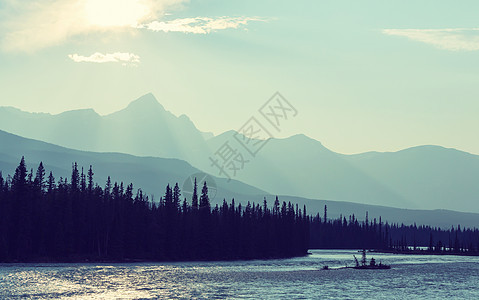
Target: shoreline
[[409, 252], [425, 252], [123, 261]]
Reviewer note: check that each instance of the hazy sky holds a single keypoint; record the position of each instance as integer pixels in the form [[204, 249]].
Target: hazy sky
[[363, 75]]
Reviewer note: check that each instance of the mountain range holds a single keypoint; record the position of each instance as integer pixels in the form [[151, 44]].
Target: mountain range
[[424, 177], [152, 174]]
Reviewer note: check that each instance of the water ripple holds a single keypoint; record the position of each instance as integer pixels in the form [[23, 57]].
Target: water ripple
[[418, 277]]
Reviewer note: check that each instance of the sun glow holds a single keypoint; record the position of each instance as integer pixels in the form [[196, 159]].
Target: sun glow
[[115, 13]]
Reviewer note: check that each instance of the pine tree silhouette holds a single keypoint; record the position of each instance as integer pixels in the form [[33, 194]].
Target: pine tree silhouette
[[72, 221]]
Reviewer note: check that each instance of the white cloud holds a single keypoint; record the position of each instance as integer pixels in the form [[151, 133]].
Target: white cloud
[[200, 25], [29, 25], [120, 57], [454, 39]]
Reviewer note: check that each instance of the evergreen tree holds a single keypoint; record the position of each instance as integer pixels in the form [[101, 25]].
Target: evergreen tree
[[19, 182], [204, 199], [325, 218], [75, 178], [51, 183], [194, 198], [90, 179], [39, 181], [82, 181], [176, 197]]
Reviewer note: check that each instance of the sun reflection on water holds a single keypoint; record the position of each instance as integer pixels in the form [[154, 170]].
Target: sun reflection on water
[[298, 278]]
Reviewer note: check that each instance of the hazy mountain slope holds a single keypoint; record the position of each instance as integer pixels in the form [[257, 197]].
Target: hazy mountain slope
[[427, 177], [71, 129], [302, 166], [431, 176], [424, 177], [438, 217], [152, 175], [143, 128], [146, 128]]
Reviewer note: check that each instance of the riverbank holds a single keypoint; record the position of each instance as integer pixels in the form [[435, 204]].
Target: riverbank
[[425, 252], [139, 260]]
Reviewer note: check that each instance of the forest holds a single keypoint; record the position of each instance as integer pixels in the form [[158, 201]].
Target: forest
[[349, 233], [75, 219], [43, 219]]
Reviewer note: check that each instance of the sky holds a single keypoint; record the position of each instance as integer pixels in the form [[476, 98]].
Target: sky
[[362, 75]]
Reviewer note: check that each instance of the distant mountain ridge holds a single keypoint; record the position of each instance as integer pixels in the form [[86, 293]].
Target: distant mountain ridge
[[143, 128], [152, 174], [426, 177]]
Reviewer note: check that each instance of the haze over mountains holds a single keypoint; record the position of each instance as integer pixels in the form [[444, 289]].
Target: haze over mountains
[[144, 128], [426, 177], [151, 174]]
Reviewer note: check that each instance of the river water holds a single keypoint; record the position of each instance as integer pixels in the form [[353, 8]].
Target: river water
[[411, 277]]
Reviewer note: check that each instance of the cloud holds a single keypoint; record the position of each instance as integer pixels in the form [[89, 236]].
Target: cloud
[[29, 25], [120, 57], [199, 25], [454, 39]]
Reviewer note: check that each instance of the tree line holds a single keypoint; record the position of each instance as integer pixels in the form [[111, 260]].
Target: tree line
[[75, 219], [350, 233]]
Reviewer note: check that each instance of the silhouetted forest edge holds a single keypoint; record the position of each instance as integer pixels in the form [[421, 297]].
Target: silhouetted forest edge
[[426, 252], [349, 233], [76, 220], [44, 219]]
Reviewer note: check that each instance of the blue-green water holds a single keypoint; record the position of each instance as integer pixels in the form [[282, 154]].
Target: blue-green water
[[412, 277]]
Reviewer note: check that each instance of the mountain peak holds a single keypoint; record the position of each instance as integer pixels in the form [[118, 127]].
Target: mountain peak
[[146, 102], [304, 140], [80, 112]]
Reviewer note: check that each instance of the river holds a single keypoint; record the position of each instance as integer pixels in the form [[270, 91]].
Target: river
[[411, 277]]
